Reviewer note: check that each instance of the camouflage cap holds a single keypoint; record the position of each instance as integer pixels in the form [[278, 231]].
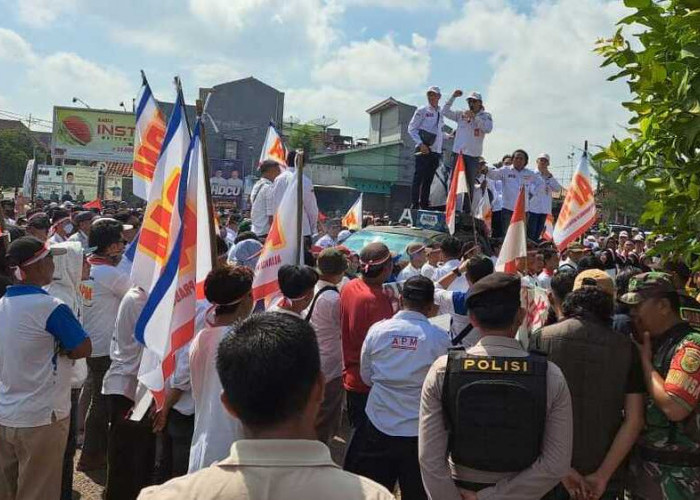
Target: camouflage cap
[[646, 286]]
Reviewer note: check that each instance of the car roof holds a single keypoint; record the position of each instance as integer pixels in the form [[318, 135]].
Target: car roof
[[407, 231]]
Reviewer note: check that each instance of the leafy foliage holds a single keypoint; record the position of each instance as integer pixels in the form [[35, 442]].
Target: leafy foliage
[[302, 137], [16, 147], [662, 69], [619, 194]]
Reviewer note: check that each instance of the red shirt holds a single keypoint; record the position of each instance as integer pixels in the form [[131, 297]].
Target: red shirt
[[361, 306]]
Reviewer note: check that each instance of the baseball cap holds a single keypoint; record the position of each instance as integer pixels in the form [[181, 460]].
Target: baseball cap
[[576, 247], [343, 235], [543, 155], [625, 234], [84, 216], [474, 95], [331, 261], [639, 237], [646, 286], [595, 277], [28, 250], [434, 90]]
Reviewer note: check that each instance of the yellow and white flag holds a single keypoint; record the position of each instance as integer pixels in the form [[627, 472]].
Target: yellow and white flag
[[148, 140], [353, 219], [273, 148]]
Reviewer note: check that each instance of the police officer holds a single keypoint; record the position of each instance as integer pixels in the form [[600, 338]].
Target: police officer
[[508, 413]]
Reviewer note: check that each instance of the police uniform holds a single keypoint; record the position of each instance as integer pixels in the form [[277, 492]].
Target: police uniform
[[514, 436]]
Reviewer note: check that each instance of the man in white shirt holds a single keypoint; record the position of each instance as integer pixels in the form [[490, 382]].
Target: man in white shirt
[[513, 177], [310, 216], [425, 128], [416, 260], [472, 126], [102, 294], [396, 355], [61, 226], [228, 289], [434, 255], [551, 263], [39, 338], [497, 204], [297, 286], [329, 239], [541, 200], [131, 445], [451, 253], [324, 316], [83, 221], [261, 198]]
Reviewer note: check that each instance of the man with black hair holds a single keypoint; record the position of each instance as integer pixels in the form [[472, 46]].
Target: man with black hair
[[451, 253], [102, 294], [83, 222], [434, 256], [604, 375], [263, 207], [61, 226], [228, 289], [275, 392], [550, 258], [680, 272], [561, 285], [513, 178], [39, 338], [494, 419], [574, 253], [396, 355], [297, 286], [324, 316], [38, 225], [667, 457], [362, 304]]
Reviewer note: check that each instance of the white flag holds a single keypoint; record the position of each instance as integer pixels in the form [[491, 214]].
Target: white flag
[[578, 212], [353, 219]]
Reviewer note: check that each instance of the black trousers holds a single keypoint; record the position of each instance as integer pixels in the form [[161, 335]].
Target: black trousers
[[497, 225], [356, 403], [426, 165], [471, 165], [71, 445], [131, 449], [386, 460], [535, 225], [506, 216], [179, 430]]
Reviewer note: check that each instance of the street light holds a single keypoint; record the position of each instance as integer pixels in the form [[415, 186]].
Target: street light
[[78, 99]]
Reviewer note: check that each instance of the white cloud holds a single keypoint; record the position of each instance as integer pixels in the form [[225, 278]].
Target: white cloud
[[547, 91], [347, 106], [214, 73], [382, 65], [41, 13], [155, 42], [14, 48], [400, 4]]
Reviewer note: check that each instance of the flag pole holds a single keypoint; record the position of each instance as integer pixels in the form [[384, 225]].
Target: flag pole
[[207, 185], [299, 163]]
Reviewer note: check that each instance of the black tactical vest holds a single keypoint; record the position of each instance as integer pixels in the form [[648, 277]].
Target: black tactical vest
[[495, 409]]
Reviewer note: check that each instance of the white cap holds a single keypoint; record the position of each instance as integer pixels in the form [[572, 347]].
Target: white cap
[[543, 155], [625, 234], [591, 238], [474, 95], [434, 90], [343, 235]]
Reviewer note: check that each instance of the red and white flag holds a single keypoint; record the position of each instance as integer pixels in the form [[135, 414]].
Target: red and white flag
[[484, 212], [548, 232], [273, 148], [578, 212], [280, 246], [458, 185], [148, 140], [353, 219], [515, 242]]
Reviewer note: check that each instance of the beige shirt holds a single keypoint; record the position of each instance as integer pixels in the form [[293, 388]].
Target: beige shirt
[[271, 469], [535, 481]]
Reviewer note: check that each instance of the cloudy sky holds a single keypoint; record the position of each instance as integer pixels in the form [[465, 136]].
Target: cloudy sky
[[531, 59]]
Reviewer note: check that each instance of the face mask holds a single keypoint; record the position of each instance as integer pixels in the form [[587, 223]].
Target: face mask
[[68, 228]]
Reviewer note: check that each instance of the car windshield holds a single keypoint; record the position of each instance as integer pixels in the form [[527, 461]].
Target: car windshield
[[396, 242]]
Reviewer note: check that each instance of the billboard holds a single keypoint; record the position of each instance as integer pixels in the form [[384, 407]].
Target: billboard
[[226, 183], [75, 183], [113, 187], [93, 134]]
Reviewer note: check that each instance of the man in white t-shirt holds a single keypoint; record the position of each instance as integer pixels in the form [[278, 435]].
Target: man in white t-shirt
[[416, 260], [83, 221], [131, 445], [310, 216], [228, 289], [102, 293], [262, 200], [39, 337], [434, 255]]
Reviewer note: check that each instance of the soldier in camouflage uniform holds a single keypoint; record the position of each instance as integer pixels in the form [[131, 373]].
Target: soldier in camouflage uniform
[[666, 463]]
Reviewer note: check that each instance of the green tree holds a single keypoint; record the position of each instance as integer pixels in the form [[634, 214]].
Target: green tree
[[16, 147], [662, 69], [619, 195], [302, 137]]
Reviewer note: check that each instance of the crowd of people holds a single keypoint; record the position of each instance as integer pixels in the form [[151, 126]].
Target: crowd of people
[[420, 354]]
